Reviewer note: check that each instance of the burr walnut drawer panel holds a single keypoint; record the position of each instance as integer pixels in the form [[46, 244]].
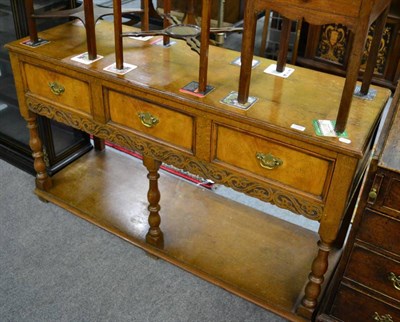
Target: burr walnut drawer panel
[[273, 161], [375, 271], [152, 120], [353, 306], [380, 230], [58, 88]]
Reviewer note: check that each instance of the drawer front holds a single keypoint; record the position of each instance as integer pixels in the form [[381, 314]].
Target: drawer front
[[351, 305], [58, 88], [374, 271], [380, 230], [392, 198], [385, 193], [152, 120], [291, 167]]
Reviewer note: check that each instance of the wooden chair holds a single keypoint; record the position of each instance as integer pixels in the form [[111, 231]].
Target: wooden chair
[[357, 15], [204, 38], [88, 13]]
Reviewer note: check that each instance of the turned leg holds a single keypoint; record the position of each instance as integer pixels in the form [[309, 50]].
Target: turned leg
[[43, 181], [154, 235], [315, 280]]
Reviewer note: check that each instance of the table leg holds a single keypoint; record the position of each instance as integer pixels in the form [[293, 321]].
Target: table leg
[[264, 35], [145, 15], [90, 29], [33, 36], [283, 44], [204, 45], [119, 53], [166, 23], [220, 37], [373, 51], [155, 235], [315, 280], [99, 144], [43, 181], [296, 42], [351, 78], [190, 15], [246, 57]]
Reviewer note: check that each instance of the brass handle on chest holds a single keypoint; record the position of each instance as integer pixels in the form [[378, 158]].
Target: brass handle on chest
[[372, 194], [56, 89], [382, 318], [395, 280], [147, 119], [268, 161]]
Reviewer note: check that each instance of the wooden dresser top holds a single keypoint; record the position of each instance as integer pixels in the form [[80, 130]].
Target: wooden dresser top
[[282, 102]]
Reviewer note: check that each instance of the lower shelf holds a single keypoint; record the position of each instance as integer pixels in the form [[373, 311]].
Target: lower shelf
[[247, 252]]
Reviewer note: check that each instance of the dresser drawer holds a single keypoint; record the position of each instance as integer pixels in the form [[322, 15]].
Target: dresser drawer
[[385, 193], [392, 198], [58, 88], [375, 271], [152, 120], [292, 167], [353, 306], [380, 230]]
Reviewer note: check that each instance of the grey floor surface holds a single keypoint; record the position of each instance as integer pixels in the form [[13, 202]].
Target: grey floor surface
[[57, 267]]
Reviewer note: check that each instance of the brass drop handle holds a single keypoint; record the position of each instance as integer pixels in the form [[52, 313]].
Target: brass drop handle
[[395, 280], [268, 161], [372, 194], [56, 89], [382, 318], [147, 119]]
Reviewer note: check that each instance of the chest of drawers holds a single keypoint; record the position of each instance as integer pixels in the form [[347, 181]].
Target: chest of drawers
[[367, 284]]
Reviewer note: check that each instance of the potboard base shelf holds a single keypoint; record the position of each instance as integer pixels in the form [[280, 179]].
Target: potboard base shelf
[[213, 238]]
